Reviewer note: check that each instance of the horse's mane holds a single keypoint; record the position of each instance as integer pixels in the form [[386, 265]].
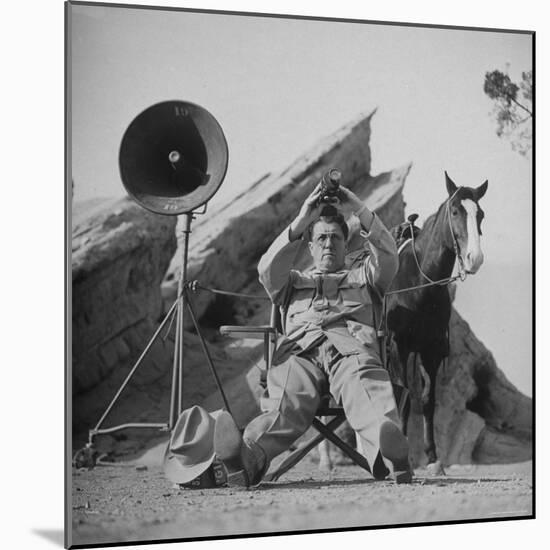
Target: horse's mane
[[431, 219]]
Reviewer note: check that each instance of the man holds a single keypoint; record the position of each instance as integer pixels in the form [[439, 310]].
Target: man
[[330, 344]]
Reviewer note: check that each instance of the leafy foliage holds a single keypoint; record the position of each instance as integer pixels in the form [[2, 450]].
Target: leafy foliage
[[513, 108]]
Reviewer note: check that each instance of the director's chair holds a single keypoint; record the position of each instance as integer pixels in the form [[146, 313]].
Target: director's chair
[[268, 333]]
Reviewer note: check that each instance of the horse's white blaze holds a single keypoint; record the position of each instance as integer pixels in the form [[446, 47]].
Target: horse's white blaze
[[473, 258]]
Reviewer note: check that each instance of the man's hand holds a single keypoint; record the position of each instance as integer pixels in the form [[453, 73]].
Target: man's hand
[[349, 203], [310, 211]]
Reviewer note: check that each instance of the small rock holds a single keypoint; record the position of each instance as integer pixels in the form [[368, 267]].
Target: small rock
[[141, 468]]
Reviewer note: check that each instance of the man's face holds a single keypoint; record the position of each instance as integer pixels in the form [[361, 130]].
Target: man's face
[[328, 246]]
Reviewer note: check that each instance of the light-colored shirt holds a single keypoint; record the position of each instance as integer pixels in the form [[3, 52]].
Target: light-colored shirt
[[342, 306]]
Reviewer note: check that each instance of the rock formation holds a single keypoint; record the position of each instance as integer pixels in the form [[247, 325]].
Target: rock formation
[[481, 416], [120, 256]]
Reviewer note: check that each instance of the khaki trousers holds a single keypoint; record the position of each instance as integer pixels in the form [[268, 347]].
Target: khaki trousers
[[357, 382]]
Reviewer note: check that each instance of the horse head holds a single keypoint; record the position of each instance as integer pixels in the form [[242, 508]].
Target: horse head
[[464, 217]]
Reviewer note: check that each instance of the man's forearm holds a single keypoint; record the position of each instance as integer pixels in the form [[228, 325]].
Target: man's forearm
[[383, 262], [275, 265], [297, 228], [366, 217]]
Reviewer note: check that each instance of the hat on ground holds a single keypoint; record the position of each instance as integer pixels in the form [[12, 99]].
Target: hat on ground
[[190, 450]]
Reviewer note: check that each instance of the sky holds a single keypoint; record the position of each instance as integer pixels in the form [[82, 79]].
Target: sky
[[277, 86]]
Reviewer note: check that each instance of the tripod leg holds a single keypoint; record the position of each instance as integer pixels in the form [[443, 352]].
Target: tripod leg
[[180, 354], [182, 293], [136, 365], [176, 396], [175, 371], [206, 352]]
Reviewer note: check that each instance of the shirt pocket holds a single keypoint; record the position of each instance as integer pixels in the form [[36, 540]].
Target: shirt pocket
[[354, 294], [355, 299], [303, 292]]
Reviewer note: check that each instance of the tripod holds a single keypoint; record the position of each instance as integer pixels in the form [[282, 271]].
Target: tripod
[[177, 310]]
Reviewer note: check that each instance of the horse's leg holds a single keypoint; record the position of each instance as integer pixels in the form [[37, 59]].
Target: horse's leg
[[428, 369], [403, 360]]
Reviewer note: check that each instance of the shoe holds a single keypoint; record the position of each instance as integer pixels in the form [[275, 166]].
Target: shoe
[[395, 448], [242, 459]]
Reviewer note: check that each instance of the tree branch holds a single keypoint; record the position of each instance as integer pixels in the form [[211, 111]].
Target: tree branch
[[520, 105]]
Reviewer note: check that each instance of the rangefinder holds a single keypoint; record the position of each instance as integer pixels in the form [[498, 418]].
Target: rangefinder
[[330, 185]]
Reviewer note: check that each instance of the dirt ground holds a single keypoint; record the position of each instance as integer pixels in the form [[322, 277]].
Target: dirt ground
[[136, 502]]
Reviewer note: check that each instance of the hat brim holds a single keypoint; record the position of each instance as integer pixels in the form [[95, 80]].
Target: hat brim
[[178, 473]]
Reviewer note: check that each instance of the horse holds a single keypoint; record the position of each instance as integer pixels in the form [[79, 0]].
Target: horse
[[418, 303]]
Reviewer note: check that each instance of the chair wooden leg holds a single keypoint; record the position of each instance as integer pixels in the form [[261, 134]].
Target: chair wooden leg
[[359, 459], [302, 450]]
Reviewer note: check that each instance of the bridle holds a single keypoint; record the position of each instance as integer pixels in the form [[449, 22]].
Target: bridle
[[461, 271], [456, 246]]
